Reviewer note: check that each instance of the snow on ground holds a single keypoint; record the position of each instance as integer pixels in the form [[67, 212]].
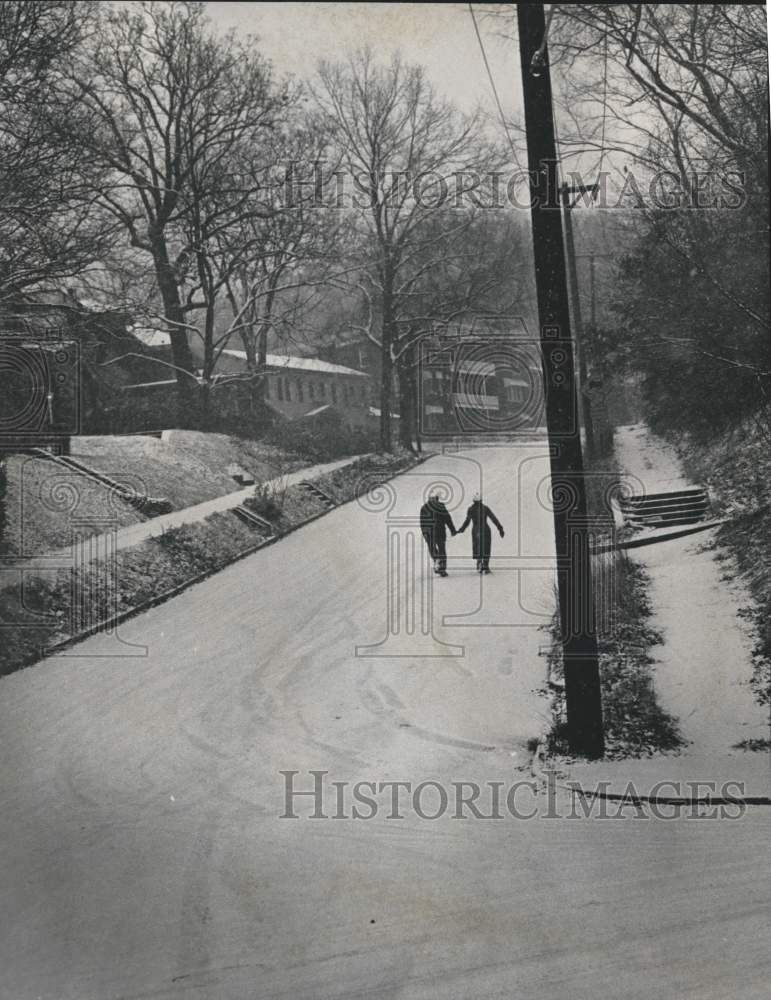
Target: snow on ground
[[648, 460], [134, 534], [703, 669], [142, 853], [705, 664]]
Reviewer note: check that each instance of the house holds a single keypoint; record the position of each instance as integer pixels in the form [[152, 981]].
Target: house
[[298, 387], [353, 351], [295, 387], [479, 385]]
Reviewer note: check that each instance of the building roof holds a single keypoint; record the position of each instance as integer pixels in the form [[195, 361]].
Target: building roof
[[150, 337], [296, 363], [150, 385]]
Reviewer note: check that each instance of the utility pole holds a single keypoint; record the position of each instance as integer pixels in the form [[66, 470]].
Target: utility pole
[[584, 400], [574, 575]]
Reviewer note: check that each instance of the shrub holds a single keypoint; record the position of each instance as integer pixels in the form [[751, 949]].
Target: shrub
[[269, 501], [322, 438]]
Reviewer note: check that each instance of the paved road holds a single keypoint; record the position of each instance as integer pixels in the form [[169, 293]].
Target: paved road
[[142, 853]]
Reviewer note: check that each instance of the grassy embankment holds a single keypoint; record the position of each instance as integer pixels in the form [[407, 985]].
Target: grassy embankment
[[50, 608], [43, 500], [635, 723]]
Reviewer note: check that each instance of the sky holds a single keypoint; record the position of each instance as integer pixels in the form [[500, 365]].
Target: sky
[[439, 36], [295, 36]]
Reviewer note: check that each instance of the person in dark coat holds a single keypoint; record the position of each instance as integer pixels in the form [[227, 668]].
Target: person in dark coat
[[481, 535], [434, 521]]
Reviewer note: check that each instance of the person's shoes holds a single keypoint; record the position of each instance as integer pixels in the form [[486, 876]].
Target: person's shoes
[[487, 570], [442, 572], [479, 565]]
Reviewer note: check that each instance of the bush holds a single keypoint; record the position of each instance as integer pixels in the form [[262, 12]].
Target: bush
[[322, 438], [268, 501], [635, 724]]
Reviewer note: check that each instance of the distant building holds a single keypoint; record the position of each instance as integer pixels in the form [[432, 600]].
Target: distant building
[[305, 387], [353, 350], [479, 385]]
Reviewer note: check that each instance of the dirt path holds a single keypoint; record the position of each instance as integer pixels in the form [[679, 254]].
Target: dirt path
[[705, 664]]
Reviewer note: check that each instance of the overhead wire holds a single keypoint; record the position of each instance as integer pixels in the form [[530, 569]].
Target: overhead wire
[[494, 89]]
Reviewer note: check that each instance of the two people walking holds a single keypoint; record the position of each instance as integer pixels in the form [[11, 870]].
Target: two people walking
[[435, 521]]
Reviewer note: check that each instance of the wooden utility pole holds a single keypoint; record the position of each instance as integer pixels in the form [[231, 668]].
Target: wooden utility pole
[[584, 402], [576, 599]]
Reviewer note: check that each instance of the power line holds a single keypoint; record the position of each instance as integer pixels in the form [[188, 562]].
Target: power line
[[494, 88]]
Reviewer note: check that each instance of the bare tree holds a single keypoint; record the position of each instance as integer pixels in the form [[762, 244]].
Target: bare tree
[[403, 149], [479, 269], [633, 71], [49, 228], [680, 90], [167, 104], [291, 244]]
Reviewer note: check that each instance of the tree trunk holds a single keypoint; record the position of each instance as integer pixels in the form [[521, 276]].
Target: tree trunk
[[385, 399], [407, 402], [208, 365], [262, 345], [172, 310], [386, 381]]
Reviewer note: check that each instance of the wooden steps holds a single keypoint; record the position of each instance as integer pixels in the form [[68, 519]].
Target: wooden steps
[[656, 510]]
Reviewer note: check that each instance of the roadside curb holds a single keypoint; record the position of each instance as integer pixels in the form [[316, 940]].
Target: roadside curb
[[544, 772], [540, 770], [113, 621], [674, 800]]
